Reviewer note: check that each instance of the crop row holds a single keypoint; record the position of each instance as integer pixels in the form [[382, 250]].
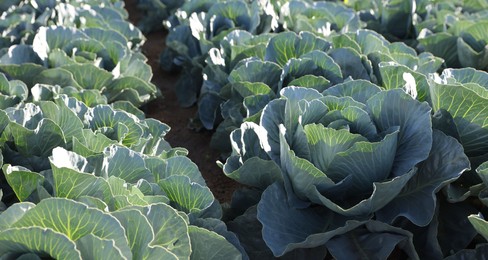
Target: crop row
[[84, 175], [360, 128]]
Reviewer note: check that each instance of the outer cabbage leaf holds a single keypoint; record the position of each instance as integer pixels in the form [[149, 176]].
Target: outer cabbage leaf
[[39, 141], [210, 245], [140, 234], [73, 177], [375, 239], [171, 233], [42, 241], [11, 92], [124, 163], [93, 247], [351, 63], [249, 160], [467, 108], [359, 90], [472, 46], [76, 221], [446, 162], [286, 228], [187, 196], [23, 181], [441, 45], [480, 252], [248, 229], [479, 224]]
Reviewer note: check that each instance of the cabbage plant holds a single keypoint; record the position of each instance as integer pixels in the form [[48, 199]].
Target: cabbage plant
[[356, 163], [392, 18], [155, 12], [321, 17], [194, 29], [456, 33]]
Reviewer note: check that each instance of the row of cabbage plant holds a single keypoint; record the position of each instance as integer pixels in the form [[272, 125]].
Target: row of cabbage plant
[[86, 47], [84, 175], [452, 30], [197, 26]]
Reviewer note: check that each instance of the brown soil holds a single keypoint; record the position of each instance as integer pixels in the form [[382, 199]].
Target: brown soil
[[167, 110]]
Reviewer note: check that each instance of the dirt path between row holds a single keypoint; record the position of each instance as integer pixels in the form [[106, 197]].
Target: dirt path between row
[[168, 111]]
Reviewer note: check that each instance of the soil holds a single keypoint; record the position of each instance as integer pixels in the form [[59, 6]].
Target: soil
[[167, 110]]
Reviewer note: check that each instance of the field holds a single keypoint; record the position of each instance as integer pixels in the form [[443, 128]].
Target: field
[[243, 129]]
